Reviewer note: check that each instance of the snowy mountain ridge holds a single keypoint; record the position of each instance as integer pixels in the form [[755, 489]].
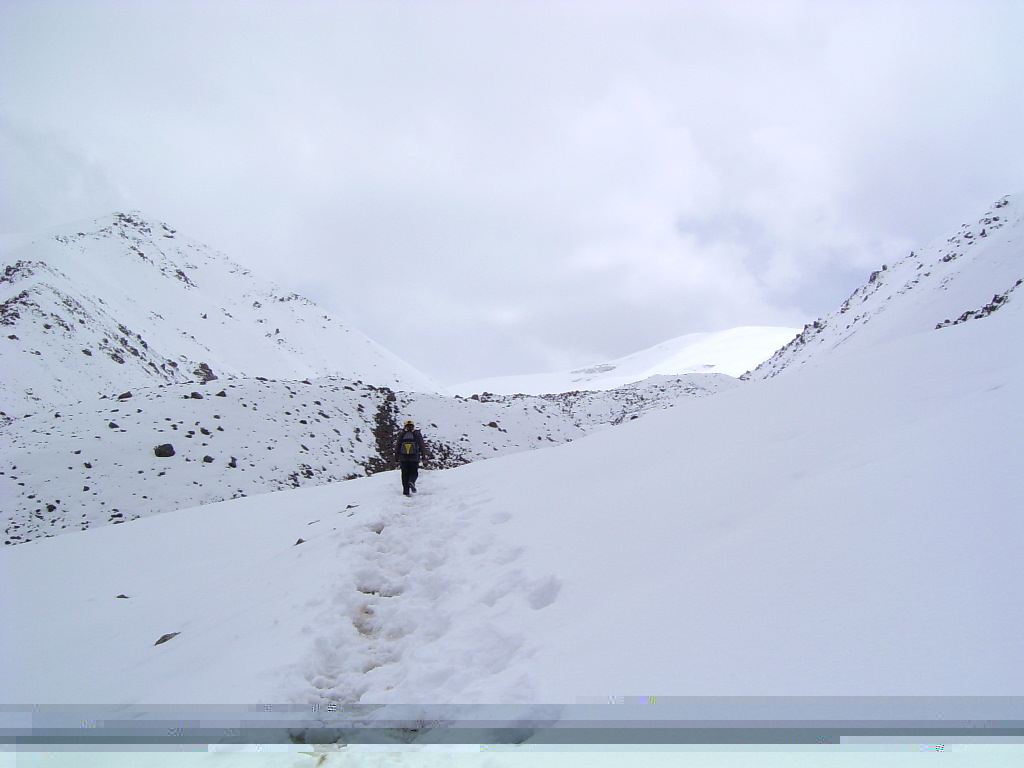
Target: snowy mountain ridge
[[102, 307], [958, 276]]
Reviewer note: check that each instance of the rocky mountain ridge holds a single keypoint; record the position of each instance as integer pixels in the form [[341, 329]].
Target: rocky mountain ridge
[[965, 276], [124, 302]]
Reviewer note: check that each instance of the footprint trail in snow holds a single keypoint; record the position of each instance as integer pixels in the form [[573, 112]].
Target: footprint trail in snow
[[428, 605]]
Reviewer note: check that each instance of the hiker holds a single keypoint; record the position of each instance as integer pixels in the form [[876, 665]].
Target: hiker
[[410, 451]]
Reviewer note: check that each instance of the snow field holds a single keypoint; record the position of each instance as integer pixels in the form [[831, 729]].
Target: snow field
[[386, 599], [848, 530]]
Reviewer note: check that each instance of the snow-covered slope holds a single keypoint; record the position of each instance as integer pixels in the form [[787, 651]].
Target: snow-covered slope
[[96, 464], [964, 275], [124, 336], [731, 352], [850, 528], [105, 306]]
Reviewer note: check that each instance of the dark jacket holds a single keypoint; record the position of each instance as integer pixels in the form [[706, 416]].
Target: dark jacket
[[399, 456]]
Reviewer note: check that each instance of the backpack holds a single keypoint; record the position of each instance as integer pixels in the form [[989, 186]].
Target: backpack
[[410, 448]]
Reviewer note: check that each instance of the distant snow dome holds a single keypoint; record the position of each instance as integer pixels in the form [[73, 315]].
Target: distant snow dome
[[731, 352]]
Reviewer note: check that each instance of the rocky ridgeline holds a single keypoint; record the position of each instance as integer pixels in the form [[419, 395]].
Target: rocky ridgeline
[[998, 301], [124, 303], [66, 332], [158, 449], [951, 278]]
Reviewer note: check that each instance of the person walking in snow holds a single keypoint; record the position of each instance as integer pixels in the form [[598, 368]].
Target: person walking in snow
[[409, 451]]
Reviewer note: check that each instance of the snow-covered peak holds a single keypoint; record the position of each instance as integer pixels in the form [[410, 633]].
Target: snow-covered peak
[[99, 307], [730, 352], [965, 275]]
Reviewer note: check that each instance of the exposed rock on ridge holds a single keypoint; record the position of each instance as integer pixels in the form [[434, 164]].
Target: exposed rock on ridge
[[967, 275], [123, 302], [171, 447]]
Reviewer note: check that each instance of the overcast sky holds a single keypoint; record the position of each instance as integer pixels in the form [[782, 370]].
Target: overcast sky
[[490, 188]]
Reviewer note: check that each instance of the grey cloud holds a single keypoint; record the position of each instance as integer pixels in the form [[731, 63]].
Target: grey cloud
[[47, 179], [537, 183]]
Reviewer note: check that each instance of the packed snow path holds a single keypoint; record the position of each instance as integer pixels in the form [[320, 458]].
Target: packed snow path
[[402, 621]]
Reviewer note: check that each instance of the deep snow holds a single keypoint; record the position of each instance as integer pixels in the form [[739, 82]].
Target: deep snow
[[849, 530]]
